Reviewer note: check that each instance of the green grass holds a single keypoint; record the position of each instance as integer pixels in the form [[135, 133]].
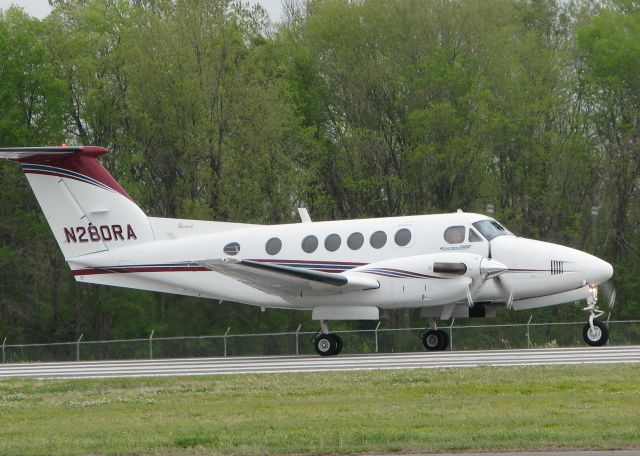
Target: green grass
[[325, 413]]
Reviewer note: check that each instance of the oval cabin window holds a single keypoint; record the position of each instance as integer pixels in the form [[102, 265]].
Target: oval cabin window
[[378, 239], [454, 234], [232, 248], [273, 246], [402, 237], [310, 244], [355, 241], [332, 242]]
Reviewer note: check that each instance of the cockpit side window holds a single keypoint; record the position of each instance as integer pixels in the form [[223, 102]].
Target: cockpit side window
[[491, 229], [473, 236], [454, 234]]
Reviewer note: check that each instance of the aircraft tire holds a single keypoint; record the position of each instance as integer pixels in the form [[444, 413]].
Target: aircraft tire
[[598, 337], [432, 339], [326, 345], [338, 343], [444, 344]]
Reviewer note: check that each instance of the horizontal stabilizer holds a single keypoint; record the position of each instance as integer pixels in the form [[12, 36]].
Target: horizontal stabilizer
[[21, 153]]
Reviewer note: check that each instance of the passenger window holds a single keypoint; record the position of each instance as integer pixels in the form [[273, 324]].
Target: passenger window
[[232, 248], [454, 234], [310, 244], [473, 236], [355, 241], [403, 237], [332, 242], [378, 239], [273, 246]]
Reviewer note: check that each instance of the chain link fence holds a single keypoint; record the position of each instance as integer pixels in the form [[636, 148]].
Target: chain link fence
[[462, 337]]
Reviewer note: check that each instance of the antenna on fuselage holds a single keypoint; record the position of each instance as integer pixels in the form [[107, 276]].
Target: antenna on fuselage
[[304, 215]]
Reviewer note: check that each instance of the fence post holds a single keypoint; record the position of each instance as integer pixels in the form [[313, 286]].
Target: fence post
[[376, 332], [3, 344], [151, 344], [225, 341], [297, 334], [451, 334], [78, 347], [529, 344]]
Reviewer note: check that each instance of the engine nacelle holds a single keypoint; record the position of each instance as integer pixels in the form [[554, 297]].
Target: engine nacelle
[[433, 279]]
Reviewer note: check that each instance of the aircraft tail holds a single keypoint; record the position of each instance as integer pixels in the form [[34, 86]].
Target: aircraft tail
[[87, 210]]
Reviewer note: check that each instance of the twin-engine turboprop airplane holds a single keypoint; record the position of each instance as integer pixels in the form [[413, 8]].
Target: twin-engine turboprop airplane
[[449, 265]]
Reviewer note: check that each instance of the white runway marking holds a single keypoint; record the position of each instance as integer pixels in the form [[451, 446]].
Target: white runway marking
[[275, 364]]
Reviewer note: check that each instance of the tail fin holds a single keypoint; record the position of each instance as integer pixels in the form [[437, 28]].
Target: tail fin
[[87, 210]]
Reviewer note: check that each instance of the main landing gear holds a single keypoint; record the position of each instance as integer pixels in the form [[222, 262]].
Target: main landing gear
[[434, 338], [595, 333], [325, 343]]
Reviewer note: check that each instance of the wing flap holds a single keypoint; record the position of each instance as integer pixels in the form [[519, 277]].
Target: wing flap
[[280, 280]]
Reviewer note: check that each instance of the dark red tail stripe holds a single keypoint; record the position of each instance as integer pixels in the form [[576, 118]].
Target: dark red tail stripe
[[84, 162]]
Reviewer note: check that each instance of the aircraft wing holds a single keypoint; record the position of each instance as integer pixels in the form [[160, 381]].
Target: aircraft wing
[[286, 281]]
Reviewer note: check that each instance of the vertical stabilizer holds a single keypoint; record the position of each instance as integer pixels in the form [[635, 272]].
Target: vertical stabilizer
[[87, 210]]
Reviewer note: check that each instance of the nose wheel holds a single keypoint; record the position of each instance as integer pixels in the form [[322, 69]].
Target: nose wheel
[[595, 332]]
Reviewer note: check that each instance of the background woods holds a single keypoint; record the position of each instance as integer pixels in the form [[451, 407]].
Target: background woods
[[353, 108]]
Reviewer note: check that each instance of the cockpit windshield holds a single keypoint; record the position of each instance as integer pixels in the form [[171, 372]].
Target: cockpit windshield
[[491, 229]]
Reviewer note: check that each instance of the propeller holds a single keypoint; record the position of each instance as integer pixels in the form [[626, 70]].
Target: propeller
[[609, 292], [508, 294], [490, 269]]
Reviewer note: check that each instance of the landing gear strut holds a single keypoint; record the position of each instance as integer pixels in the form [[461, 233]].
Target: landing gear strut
[[325, 343], [595, 333], [434, 338]]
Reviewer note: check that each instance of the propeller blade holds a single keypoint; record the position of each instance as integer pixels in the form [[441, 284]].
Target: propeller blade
[[469, 298], [510, 301], [508, 294], [609, 292]]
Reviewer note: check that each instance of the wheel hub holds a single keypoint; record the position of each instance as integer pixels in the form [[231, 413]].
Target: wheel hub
[[324, 345], [432, 340], [594, 333]]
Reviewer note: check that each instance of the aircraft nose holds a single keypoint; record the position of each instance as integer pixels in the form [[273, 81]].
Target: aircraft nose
[[598, 271]]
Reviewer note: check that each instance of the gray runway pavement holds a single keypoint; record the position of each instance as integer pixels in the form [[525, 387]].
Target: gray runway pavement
[[274, 364], [546, 453]]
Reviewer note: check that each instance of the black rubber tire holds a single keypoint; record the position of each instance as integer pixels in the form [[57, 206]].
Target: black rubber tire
[[431, 339], [325, 345], [600, 336], [338, 343], [444, 342]]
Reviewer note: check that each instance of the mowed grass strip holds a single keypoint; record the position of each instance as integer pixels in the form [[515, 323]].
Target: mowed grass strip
[[592, 406]]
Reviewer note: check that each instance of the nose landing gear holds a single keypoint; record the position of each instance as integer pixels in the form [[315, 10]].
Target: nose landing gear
[[325, 343], [595, 333], [435, 339]]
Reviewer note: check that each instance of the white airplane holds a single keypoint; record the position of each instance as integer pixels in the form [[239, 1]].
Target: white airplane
[[449, 265]]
